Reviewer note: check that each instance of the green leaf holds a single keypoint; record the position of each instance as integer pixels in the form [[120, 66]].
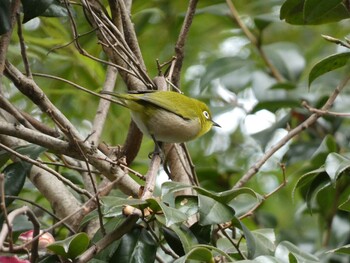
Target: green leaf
[[173, 241], [275, 105], [71, 247], [171, 214], [335, 165], [213, 212], [137, 246], [200, 254], [265, 241], [328, 64], [113, 205], [187, 204], [34, 8], [250, 240], [56, 9], [188, 240], [4, 16], [345, 206], [16, 173], [286, 247], [341, 250], [315, 10], [222, 67]]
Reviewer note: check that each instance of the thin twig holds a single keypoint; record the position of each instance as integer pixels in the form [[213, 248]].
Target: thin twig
[[71, 230], [23, 47], [324, 112], [44, 167], [180, 44], [4, 210], [274, 71]]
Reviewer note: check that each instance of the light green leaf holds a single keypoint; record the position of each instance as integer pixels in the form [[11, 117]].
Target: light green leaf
[[171, 214], [285, 248], [345, 206], [213, 212], [341, 250], [336, 164]]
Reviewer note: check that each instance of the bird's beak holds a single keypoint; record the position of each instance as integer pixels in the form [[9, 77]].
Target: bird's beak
[[215, 124]]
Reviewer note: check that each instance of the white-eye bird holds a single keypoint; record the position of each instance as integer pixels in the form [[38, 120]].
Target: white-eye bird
[[167, 116]]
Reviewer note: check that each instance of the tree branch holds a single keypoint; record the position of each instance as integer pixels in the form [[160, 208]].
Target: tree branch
[[307, 123]]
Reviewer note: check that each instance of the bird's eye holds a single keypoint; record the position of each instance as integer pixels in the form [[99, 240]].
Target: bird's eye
[[206, 115]]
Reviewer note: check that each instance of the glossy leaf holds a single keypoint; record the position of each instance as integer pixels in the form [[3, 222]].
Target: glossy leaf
[[186, 237], [137, 246], [213, 212], [328, 64], [198, 254], [265, 241], [313, 12], [34, 8], [174, 241], [284, 248], [71, 247], [171, 214], [335, 165]]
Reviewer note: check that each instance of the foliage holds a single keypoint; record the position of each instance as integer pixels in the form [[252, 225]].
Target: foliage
[[274, 181]]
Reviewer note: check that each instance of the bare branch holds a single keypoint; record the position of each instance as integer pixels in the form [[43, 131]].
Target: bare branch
[[180, 44]]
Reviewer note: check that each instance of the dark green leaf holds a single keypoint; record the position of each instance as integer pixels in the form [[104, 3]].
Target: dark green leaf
[[292, 11], [213, 212], [173, 240], [202, 233], [15, 173], [4, 16], [188, 240], [34, 8], [56, 9], [71, 247], [315, 10], [275, 105], [137, 246], [283, 86], [111, 224], [15, 176], [328, 64]]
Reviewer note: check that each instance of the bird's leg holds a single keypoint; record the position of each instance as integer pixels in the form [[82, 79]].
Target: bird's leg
[[157, 148]]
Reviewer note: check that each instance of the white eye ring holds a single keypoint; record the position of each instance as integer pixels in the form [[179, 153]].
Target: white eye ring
[[206, 115]]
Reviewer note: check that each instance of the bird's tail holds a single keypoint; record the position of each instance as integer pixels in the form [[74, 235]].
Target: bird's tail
[[116, 98]]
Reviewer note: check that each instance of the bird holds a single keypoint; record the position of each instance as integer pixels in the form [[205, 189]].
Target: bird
[[166, 116]]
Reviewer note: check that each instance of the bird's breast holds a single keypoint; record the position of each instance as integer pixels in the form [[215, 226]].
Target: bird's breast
[[166, 126]]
